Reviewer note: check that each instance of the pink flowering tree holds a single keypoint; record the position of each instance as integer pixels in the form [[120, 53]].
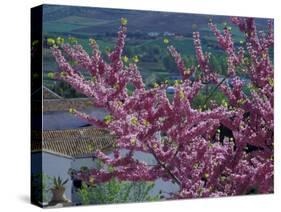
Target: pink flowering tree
[[186, 142]]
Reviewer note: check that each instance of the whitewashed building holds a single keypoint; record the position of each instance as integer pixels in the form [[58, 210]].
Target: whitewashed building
[[69, 143]]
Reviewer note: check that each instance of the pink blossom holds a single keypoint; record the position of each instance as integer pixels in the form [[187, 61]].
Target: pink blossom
[[184, 141]]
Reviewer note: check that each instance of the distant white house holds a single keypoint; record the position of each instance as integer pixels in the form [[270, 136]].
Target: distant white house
[[153, 34], [168, 34]]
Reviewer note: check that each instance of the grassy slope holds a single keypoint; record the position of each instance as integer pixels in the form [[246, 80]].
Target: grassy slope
[[86, 23]]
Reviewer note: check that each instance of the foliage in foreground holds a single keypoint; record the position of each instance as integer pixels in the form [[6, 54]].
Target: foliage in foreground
[[40, 187], [116, 191], [187, 142]]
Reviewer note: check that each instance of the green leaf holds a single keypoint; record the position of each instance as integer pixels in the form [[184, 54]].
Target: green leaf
[[92, 41], [51, 41], [107, 119], [134, 120], [59, 181], [51, 75], [59, 40], [64, 182], [72, 40], [124, 21], [71, 110], [35, 42], [166, 40], [135, 59], [125, 59]]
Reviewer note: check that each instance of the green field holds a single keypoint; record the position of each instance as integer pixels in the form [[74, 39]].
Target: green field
[[155, 65]]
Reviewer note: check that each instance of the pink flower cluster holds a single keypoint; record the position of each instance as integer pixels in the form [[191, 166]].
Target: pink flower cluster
[[185, 141]]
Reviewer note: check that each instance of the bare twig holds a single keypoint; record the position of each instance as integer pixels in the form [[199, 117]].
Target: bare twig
[[164, 167], [214, 90]]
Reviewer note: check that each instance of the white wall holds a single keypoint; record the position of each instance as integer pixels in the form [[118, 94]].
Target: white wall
[[65, 120], [160, 185], [53, 166]]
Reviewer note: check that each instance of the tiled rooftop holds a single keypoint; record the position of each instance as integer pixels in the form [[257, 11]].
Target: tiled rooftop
[[64, 104], [79, 142], [54, 102]]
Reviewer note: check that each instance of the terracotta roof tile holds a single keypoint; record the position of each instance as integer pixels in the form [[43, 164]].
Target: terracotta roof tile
[[65, 104], [72, 142]]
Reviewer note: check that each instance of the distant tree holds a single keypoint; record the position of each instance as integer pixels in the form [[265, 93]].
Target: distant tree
[[169, 64]]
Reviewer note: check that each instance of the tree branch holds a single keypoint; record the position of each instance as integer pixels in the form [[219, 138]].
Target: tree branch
[[214, 90]]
